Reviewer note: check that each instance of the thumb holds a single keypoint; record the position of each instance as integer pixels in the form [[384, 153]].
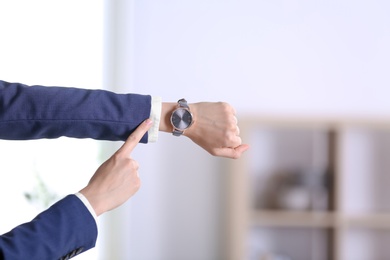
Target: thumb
[[135, 137], [232, 153]]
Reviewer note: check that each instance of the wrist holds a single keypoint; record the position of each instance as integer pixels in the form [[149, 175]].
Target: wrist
[[93, 201], [191, 129], [166, 111], [87, 204]]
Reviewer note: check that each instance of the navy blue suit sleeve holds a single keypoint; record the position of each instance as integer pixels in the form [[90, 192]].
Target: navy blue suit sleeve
[[35, 112], [64, 230]]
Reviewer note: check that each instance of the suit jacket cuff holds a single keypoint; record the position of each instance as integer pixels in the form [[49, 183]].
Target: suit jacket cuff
[[88, 205], [155, 116]]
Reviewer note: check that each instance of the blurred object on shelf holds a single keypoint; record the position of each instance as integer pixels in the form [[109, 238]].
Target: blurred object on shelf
[[272, 256], [296, 190]]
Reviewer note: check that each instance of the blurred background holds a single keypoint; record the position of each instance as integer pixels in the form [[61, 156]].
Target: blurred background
[[310, 83]]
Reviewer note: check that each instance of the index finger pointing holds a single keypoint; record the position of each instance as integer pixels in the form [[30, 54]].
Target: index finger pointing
[[135, 137]]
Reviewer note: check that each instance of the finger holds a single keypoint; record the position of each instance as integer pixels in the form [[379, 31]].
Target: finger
[[235, 119], [135, 137], [234, 142], [233, 153], [234, 111], [241, 149]]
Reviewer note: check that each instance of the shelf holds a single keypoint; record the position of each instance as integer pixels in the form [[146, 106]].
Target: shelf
[[278, 218], [311, 187], [281, 218], [373, 221]]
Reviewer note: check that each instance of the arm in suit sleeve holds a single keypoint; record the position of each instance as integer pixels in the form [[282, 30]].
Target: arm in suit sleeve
[[64, 230], [34, 112]]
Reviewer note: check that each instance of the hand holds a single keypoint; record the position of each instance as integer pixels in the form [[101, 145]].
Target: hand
[[215, 129], [117, 179]]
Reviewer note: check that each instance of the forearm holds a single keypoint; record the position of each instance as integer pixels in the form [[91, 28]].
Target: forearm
[[65, 228], [49, 112]]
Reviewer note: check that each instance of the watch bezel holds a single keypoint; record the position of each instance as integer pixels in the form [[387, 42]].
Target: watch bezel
[[188, 123]]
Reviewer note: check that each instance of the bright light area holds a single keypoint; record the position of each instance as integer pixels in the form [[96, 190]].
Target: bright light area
[[51, 43]]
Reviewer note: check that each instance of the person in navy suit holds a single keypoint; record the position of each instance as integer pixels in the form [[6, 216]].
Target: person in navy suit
[[69, 227]]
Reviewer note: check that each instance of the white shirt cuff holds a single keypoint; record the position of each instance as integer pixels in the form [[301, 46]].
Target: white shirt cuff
[[155, 116], [87, 205]]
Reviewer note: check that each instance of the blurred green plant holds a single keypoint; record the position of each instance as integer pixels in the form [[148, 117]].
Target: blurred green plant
[[41, 196]]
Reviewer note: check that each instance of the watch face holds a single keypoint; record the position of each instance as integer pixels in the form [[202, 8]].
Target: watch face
[[181, 118]]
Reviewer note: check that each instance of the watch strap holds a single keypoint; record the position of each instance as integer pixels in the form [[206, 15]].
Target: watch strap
[[177, 132], [183, 103]]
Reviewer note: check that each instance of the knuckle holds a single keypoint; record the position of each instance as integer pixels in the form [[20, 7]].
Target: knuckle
[[130, 163], [137, 183], [117, 156], [232, 124], [135, 164], [229, 138], [225, 106]]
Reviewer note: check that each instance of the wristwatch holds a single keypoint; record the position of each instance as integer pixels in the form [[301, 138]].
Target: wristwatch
[[181, 118]]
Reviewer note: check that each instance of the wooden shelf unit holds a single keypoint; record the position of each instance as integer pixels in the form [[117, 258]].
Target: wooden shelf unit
[[356, 205]]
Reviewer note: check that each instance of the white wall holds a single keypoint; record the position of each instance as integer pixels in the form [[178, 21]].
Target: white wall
[[264, 57], [270, 56]]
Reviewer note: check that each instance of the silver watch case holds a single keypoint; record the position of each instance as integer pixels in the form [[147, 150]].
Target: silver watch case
[[181, 118]]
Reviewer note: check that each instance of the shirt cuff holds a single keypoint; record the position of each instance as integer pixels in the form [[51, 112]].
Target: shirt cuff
[[155, 116], [87, 205]]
